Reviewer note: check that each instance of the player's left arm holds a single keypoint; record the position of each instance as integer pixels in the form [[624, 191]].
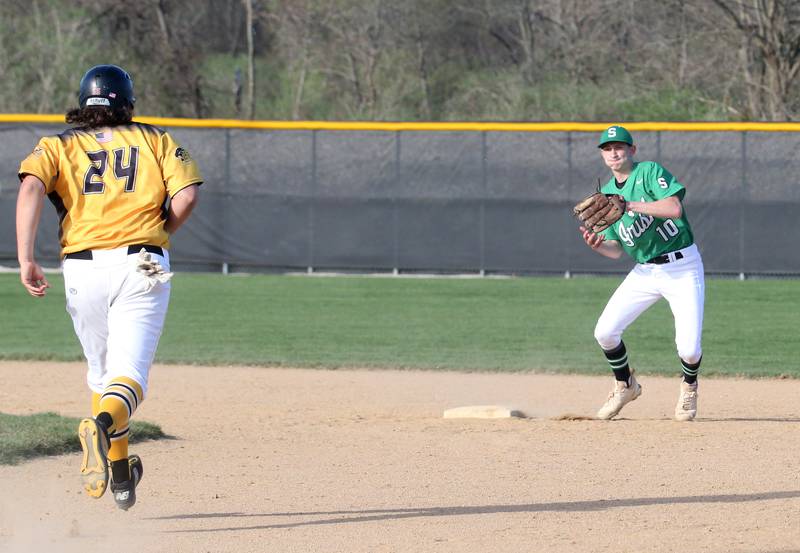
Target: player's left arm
[[666, 193], [668, 208], [181, 206], [29, 209]]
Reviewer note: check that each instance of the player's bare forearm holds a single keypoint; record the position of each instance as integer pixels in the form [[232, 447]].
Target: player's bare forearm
[[598, 242], [181, 206], [668, 208], [29, 209]]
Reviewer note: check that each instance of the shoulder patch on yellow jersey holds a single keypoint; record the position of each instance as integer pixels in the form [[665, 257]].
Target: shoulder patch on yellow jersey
[[183, 155]]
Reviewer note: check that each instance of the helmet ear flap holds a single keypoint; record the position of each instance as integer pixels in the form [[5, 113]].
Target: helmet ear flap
[[106, 85]]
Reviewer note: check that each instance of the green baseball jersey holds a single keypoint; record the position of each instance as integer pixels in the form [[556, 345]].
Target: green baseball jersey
[[644, 237]]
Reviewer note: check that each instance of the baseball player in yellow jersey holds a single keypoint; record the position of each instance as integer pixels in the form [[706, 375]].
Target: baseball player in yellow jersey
[[120, 190]]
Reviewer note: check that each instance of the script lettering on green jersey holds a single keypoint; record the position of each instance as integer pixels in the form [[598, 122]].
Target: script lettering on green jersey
[[629, 233]]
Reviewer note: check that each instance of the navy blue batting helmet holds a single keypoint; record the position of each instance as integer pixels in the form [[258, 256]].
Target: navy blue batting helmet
[[106, 85]]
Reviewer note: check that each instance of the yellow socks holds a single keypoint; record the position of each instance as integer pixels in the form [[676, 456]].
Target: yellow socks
[[120, 400]]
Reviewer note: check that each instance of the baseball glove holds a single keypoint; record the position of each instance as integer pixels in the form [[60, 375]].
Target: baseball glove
[[599, 211]]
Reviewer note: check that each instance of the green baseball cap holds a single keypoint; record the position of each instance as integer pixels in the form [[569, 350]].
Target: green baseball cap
[[616, 133]]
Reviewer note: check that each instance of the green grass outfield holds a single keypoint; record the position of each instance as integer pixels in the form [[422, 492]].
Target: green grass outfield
[[28, 436], [491, 324]]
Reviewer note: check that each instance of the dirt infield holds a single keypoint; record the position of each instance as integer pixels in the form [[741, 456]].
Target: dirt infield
[[362, 461]]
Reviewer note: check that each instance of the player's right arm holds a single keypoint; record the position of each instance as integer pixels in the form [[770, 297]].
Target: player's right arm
[[182, 179], [29, 209], [598, 242], [181, 206]]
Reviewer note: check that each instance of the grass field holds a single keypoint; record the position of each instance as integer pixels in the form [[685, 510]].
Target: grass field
[[28, 436], [515, 324]]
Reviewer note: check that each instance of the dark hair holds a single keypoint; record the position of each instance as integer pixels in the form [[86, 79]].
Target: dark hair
[[93, 117]]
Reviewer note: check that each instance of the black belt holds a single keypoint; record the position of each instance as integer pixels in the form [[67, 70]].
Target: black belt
[[661, 259], [136, 248]]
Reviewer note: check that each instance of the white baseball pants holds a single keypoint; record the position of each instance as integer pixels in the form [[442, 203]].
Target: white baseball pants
[[117, 314], [681, 283]]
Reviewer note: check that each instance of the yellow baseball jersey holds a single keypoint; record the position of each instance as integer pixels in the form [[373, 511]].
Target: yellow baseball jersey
[[110, 186]]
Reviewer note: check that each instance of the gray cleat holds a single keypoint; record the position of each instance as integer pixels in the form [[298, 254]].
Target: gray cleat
[[125, 492]]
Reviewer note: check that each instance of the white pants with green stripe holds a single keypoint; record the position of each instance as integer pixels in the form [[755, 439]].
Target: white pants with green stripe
[[680, 282]]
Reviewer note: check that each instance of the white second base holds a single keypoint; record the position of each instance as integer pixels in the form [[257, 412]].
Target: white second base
[[482, 412]]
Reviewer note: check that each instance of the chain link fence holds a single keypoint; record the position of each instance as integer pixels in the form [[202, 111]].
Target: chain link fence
[[447, 201]]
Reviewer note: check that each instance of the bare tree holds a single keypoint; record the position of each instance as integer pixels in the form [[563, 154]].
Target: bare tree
[[305, 58], [440, 59], [419, 38], [42, 56], [296, 24], [769, 46], [164, 62], [251, 77], [355, 33]]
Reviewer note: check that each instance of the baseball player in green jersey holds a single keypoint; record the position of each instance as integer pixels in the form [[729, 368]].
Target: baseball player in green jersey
[[655, 232]]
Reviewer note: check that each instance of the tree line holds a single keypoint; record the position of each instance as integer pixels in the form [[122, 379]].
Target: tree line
[[434, 60]]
